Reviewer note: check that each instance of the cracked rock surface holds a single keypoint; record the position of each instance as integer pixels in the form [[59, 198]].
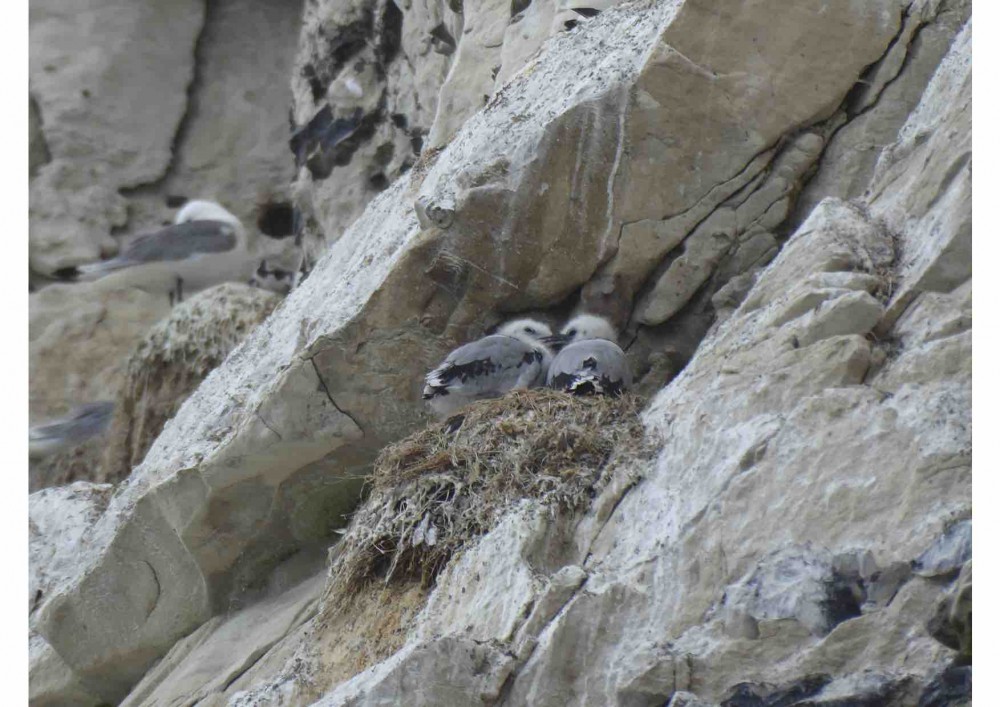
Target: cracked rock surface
[[692, 172]]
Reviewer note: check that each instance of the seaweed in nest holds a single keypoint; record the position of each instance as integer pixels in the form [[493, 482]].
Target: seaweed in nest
[[442, 487]]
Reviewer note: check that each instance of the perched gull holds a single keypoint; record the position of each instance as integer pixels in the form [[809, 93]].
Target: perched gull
[[77, 427], [514, 357], [205, 246], [591, 363]]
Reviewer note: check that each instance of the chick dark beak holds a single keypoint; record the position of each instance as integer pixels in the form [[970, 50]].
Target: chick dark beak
[[556, 342]]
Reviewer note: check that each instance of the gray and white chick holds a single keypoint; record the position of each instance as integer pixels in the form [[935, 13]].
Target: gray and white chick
[[515, 357], [590, 361]]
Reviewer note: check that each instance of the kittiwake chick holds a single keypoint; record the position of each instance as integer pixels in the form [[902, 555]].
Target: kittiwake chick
[[513, 358], [591, 362]]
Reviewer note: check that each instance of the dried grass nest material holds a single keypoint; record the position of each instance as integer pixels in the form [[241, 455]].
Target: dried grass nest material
[[448, 484]]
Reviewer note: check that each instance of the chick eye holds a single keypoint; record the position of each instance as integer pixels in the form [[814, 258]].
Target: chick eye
[[571, 332], [530, 330]]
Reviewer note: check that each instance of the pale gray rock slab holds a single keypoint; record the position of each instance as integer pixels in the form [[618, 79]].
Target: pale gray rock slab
[[766, 443], [495, 594], [122, 131], [101, 138], [284, 406], [884, 101], [682, 698], [38, 151], [935, 315], [755, 443], [948, 553], [470, 79], [795, 582], [523, 37], [922, 184], [220, 651], [70, 220], [389, 64], [236, 141], [951, 623], [52, 683], [58, 522], [465, 671], [148, 46]]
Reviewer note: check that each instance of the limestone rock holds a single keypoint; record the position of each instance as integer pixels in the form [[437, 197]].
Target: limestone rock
[[212, 658], [682, 698], [793, 583], [867, 687], [58, 521], [935, 209], [171, 360], [297, 408], [951, 623], [38, 151], [101, 138], [883, 100], [148, 46], [948, 553], [234, 142], [156, 99], [51, 683], [70, 220], [470, 79], [464, 670], [739, 425]]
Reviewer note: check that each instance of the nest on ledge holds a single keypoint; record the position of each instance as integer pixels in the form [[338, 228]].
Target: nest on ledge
[[440, 488]]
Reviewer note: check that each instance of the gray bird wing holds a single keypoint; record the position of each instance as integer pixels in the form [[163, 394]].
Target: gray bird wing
[[486, 367], [82, 423], [179, 242], [593, 365]]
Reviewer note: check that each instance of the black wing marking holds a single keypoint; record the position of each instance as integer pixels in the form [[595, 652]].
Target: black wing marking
[[481, 365]]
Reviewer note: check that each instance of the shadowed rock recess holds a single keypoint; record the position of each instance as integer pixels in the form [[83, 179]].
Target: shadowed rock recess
[[771, 200]]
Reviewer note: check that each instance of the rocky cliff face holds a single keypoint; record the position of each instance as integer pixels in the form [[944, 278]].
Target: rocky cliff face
[[133, 105], [772, 198]]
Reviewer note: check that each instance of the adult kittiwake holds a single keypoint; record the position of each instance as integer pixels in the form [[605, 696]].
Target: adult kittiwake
[[206, 245], [77, 427], [591, 362], [514, 357]]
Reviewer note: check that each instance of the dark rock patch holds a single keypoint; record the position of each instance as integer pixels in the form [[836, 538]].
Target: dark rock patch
[[277, 220], [951, 688], [747, 694]]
